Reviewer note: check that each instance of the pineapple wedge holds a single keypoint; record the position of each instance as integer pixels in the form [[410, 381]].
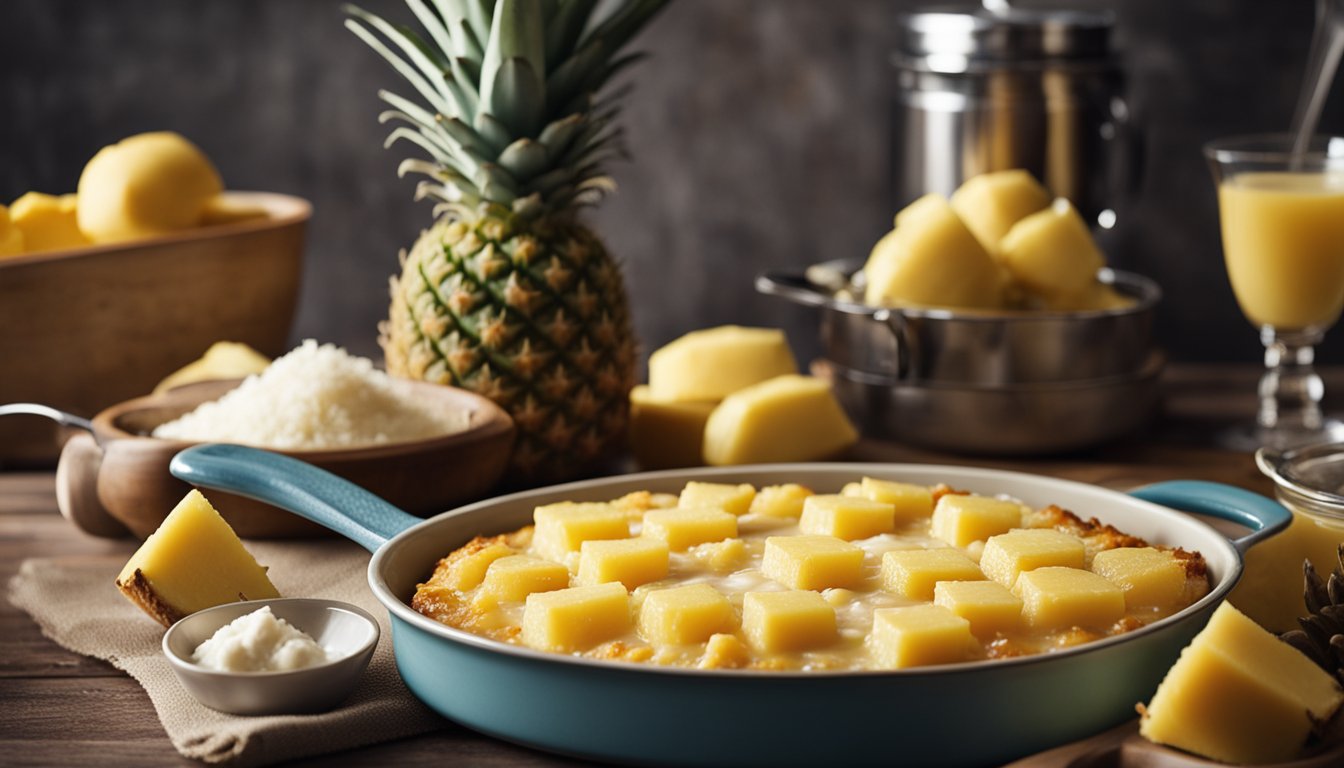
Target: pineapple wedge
[[788, 418], [48, 222], [1052, 253], [223, 360], [11, 237], [932, 259], [711, 364], [143, 186], [992, 203]]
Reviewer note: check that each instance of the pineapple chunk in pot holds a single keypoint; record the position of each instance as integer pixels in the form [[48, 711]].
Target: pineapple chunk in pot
[[991, 203]]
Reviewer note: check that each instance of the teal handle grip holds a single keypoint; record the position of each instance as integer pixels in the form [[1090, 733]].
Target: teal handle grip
[[295, 486], [1265, 517]]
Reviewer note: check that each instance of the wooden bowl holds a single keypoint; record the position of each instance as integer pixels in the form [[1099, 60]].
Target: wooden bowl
[[84, 328], [423, 477]]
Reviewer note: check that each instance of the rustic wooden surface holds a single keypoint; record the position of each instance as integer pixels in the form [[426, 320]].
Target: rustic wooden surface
[[58, 708]]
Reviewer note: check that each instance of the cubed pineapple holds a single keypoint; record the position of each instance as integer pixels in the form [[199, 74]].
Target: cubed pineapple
[[720, 556], [469, 571], [667, 434], [48, 222], [812, 562], [991, 203], [989, 606], [914, 572], [1052, 252], [629, 561], [846, 517], [514, 577], [561, 528], [909, 501], [787, 418], [684, 528], [919, 635], [780, 500], [780, 622], [713, 363], [733, 499], [577, 618], [1024, 549], [931, 259], [962, 519], [684, 615], [1057, 598], [1149, 577], [1240, 695]]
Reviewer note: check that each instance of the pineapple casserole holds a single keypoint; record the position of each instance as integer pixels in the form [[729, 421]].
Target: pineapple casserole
[[882, 575]]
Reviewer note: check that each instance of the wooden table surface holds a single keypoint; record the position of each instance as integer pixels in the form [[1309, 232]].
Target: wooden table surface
[[58, 708]]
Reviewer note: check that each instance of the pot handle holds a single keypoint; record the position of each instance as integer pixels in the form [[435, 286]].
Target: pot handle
[[296, 486], [1265, 517]]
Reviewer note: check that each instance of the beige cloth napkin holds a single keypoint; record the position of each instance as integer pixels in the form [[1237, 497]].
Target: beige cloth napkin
[[77, 604]]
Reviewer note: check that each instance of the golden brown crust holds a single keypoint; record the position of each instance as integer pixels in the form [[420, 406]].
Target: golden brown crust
[[139, 591]]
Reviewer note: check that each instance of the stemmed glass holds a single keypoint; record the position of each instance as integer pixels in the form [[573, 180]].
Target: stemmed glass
[[1282, 216]]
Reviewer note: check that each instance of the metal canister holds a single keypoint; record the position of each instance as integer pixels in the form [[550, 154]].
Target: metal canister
[[998, 88]]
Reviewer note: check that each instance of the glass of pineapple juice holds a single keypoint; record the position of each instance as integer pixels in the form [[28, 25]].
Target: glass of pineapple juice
[[1282, 218]]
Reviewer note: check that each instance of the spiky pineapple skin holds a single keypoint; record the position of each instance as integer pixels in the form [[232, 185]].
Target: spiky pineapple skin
[[531, 314]]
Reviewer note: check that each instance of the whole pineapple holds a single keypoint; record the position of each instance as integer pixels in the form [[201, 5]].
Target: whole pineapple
[[509, 294]]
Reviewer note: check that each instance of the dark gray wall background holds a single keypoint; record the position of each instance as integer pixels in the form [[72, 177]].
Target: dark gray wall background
[[759, 137]]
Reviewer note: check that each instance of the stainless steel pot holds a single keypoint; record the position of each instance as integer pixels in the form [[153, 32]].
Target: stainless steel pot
[[973, 714]]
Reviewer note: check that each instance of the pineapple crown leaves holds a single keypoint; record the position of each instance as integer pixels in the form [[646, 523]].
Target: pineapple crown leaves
[[508, 111], [1321, 636]]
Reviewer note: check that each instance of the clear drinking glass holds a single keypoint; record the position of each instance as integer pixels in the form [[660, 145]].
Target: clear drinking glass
[[1282, 219]]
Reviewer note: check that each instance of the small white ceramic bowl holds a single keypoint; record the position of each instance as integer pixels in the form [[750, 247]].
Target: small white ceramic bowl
[[348, 632]]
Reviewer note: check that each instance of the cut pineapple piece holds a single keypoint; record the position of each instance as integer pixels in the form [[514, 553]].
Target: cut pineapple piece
[[1150, 577], [192, 562], [48, 222], [468, 572], [1055, 597], [1240, 695], [931, 259], [960, 520], [788, 418], [720, 556], [914, 572], [145, 185], [713, 363], [575, 619], [685, 528], [514, 577], [919, 635], [11, 238], [667, 434], [780, 622], [733, 499], [910, 502], [561, 528], [684, 615], [1024, 549], [991, 203], [223, 360], [846, 517], [780, 500], [631, 562], [989, 606], [1052, 252], [812, 562], [724, 651]]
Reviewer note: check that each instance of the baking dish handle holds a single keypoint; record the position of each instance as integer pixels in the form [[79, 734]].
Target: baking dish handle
[[1265, 517], [295, 486]]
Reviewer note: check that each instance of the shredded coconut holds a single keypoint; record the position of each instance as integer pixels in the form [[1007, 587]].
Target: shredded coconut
[[315, 397]]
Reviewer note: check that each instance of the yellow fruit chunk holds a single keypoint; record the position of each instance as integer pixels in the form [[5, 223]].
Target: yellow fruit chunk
[[789, 418], [1058, 598], [684, 615], [713, 363], [780, 622], [991, 203], [223, 360], [1052, 253], [667, 434], [192, 562], [575, 619], [1150, 577], [1024, 549], [685, 528], [780, 500], [1239, 695], [989, 606], [919, 635], [11, 238], [629, 561], [724, 651], [720, 556], [222, 209], [914, 572], [846, 517], [468, 572], [1096, 297], [733, 499], [48, 222], [514, 577], [909, 501], [143, 186], [931, 259], [812, 562], [561, 528], [960, 520]]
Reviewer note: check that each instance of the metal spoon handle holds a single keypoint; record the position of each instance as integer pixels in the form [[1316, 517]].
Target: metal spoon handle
[[36, 409], [1327, 44]]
